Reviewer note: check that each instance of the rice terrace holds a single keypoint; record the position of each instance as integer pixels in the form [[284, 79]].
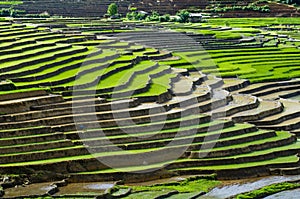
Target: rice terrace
[[149, 99]]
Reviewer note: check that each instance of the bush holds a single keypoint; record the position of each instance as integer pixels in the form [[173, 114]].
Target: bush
[[140, 16], [112, 9], [135, 16], [153, 17], [129, 15], [183, 16], [164, 18]]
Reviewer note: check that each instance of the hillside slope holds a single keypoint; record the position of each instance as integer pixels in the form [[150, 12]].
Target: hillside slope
[[94, 8]]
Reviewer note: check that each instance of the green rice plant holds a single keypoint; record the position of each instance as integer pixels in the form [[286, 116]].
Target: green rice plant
[[268, 190], [11, 2], [278, 160], [124, 75], [72, 72], [185, 186]]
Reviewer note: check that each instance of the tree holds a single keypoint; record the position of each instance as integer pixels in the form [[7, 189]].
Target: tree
[[183, 16], [112, 9]]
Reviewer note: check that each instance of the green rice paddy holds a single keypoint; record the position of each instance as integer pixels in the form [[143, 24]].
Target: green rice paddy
[[34, 59]]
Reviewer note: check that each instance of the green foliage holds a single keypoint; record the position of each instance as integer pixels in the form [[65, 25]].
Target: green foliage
[[11, 2], [10, 12], [183, 16], [165, 18], [133, 9], [139, 16], [112, 9], [268, 190], [188, 185], [153, 17], [255, 6], [129, 16], [136, 16]]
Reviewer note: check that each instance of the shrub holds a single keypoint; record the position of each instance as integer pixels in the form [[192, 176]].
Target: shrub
[[153, 17], [135, 16], [112, 9], [140, 16], [183, 16], [164, 18]]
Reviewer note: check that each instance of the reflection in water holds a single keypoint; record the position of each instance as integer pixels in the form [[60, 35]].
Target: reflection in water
[[292, 194], [99, 186], [47, 188], [83, 188], [231, 190]]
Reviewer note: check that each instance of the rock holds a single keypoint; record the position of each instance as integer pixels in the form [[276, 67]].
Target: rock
[[53, 190], [61, 183]]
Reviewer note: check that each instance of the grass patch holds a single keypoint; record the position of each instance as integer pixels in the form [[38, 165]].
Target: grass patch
[[190, 185], [278, 160], [268, 190], [24, 90], [11, 2]]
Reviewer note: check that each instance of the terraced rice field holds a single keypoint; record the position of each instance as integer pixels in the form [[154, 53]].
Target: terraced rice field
[[133, 104]]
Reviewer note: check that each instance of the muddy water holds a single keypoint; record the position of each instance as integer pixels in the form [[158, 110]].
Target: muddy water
[[42, 188], [87, 188], [245, 186], [33, 189], [228, 188]]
